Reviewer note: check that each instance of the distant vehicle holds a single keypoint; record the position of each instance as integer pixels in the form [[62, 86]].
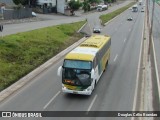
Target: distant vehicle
[[96, 29], [130, 8], [102, 7], [34, 14], [129, 18], [84, 65], [142, 10], [135, 8], [140, 2]]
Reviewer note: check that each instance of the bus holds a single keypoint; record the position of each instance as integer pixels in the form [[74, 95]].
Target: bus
[[135, 8], [84, 65]]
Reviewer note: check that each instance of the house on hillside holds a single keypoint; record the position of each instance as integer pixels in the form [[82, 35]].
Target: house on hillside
[[60, 5]]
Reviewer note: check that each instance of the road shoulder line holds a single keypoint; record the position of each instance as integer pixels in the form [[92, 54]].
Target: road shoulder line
[[90, 106], [138, 71], [53, 98]]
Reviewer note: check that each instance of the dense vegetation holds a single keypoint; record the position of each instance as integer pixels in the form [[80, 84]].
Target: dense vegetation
[[21, 53]]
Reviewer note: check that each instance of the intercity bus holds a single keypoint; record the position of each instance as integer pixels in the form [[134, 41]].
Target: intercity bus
[[84, 65]]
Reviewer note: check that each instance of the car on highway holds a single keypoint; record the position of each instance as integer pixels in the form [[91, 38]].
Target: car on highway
[[97, 29], [130, 8], [135, 8], [129, 19], [142, 10], [102, 7], [34, 14]]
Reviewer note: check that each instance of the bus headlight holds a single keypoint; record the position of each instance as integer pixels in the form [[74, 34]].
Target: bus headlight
[[89, 88], [63, 86]]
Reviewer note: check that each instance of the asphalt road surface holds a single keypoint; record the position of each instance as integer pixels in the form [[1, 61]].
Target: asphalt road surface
[[156, 33], [114, 92]]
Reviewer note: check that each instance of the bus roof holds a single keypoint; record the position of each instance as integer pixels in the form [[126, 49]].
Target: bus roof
[[135, 5], [88, 49], [95, 41]]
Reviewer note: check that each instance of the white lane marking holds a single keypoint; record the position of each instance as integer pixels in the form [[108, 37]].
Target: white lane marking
[[129, 30], [51, 99], [90, 106], [138, 69], [115, 58], [155, 61], [125, 40], [90, 27]]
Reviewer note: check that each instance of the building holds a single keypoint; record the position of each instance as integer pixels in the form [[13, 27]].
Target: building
[[61, 5], [47, 2]]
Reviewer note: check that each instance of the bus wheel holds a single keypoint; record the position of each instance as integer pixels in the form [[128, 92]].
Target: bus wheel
[[95, 84]]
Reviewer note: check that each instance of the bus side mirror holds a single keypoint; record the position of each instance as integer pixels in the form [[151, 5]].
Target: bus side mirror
[[92, 74], [59, 71]]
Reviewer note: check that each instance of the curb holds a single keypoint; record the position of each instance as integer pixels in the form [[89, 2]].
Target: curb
[[24, 80], [82, 27], [114, 18]]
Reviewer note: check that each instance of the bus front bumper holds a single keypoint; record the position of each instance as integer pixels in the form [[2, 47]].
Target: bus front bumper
[[84, 92]]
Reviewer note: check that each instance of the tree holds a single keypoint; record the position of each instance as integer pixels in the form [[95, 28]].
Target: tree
[[74, 5], [94, 1], [86, 6], [22, 2], [109, 1], [17, 2]]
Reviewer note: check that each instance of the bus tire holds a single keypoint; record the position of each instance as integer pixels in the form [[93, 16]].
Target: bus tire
[[94, 84]]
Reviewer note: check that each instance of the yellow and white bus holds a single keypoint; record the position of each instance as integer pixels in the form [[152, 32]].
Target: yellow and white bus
[[84, 65]]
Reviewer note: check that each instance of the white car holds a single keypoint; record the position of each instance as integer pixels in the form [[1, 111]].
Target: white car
[[142, 10], [34, 14], [130, 8], [97, 29], [129, 18], [102, 7]]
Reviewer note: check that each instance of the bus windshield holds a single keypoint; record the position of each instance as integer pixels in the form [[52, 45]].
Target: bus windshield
[[77, 64], [77, 73]]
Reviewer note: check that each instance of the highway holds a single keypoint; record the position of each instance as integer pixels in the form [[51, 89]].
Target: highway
[[115, 90]]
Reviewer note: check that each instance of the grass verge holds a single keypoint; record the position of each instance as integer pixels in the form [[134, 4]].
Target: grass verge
[[109, 16], [21, 53]]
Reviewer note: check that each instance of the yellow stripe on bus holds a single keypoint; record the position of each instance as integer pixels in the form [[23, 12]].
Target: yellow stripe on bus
[[79, 56]]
